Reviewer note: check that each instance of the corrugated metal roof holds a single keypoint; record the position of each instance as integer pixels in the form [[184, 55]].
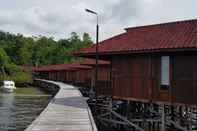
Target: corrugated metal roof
[[73, 66], [92, 62], [152, 38], [84, 64]]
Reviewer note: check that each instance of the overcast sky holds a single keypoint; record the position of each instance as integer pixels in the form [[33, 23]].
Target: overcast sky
[[58, 18]]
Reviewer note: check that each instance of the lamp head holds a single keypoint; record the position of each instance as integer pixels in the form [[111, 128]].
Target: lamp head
[[90, 11]]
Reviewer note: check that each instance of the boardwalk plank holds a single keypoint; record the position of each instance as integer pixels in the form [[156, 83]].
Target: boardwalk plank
[[68, 111]]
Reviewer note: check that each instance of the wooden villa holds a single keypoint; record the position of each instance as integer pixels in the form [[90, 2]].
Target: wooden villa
[[80, 74], [155, 63]]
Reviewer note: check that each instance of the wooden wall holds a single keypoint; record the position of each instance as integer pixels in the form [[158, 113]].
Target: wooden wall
[[138, 78], [103, 82], [184, 79], [131, 77], [83, 75]]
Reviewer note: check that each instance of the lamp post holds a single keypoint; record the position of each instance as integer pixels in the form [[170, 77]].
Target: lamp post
[[97, 56]]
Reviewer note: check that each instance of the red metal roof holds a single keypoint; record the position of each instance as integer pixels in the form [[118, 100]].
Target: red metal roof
[[84, 64], [92, 62], [33, 69], [153, 38], [73, 66]]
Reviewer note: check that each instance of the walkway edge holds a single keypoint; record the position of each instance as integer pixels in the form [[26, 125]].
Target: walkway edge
[[39, 119]]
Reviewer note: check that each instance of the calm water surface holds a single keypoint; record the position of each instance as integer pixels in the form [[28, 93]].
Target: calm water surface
[[19, 109]]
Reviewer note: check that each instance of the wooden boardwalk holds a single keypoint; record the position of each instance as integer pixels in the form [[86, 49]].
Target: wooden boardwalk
[[67, 111]]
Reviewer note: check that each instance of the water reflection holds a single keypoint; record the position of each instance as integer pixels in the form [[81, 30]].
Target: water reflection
[[17, 111]]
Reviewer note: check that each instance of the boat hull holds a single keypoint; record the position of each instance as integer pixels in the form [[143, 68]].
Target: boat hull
[[7, 90]]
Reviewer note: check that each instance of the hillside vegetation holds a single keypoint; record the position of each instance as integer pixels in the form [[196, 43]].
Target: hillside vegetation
[[18, 51]]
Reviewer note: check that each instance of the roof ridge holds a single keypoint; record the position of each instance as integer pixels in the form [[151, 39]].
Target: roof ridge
[[161, 24]]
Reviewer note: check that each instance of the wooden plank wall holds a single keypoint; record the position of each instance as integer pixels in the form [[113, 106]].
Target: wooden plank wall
[[138, 78]]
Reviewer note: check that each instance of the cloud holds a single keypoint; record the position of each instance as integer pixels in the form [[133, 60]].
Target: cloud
[[60, 18]]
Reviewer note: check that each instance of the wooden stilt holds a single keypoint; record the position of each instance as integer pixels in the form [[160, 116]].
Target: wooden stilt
[[153, 126], [128, 113], [172, 117], [180, 114], [149, 126], [163, 118], [189, 119], [158, 126], [110, 115]]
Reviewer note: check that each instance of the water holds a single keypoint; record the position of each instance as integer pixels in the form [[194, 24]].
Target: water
[[19, 109]]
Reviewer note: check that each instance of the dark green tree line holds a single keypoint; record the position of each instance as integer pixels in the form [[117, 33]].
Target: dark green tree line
[[17, 51]]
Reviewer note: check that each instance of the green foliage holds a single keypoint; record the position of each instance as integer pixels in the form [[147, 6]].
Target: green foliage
[[17, 51], [4, 60], [22, 77], [16, 73], [87, 41]]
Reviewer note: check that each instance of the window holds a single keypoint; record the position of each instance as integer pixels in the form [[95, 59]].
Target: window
[[165, 72]]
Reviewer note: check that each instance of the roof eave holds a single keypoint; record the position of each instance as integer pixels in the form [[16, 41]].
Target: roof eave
[[93, 54]]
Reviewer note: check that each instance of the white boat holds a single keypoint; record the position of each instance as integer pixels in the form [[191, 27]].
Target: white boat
[[8, 86]]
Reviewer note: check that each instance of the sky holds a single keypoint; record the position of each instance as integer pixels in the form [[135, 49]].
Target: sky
[[58, 18]]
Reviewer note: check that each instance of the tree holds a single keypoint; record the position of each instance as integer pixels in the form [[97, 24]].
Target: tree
[[63, 43], [4, 60], [17, 51], [87, 41]]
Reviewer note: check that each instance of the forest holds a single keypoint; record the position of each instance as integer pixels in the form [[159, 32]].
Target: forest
[[19, 53]]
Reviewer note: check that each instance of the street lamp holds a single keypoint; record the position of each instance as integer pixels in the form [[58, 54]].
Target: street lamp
[[97, 56]]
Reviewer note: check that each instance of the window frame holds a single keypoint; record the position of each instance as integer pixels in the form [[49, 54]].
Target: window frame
[[164, 72]]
